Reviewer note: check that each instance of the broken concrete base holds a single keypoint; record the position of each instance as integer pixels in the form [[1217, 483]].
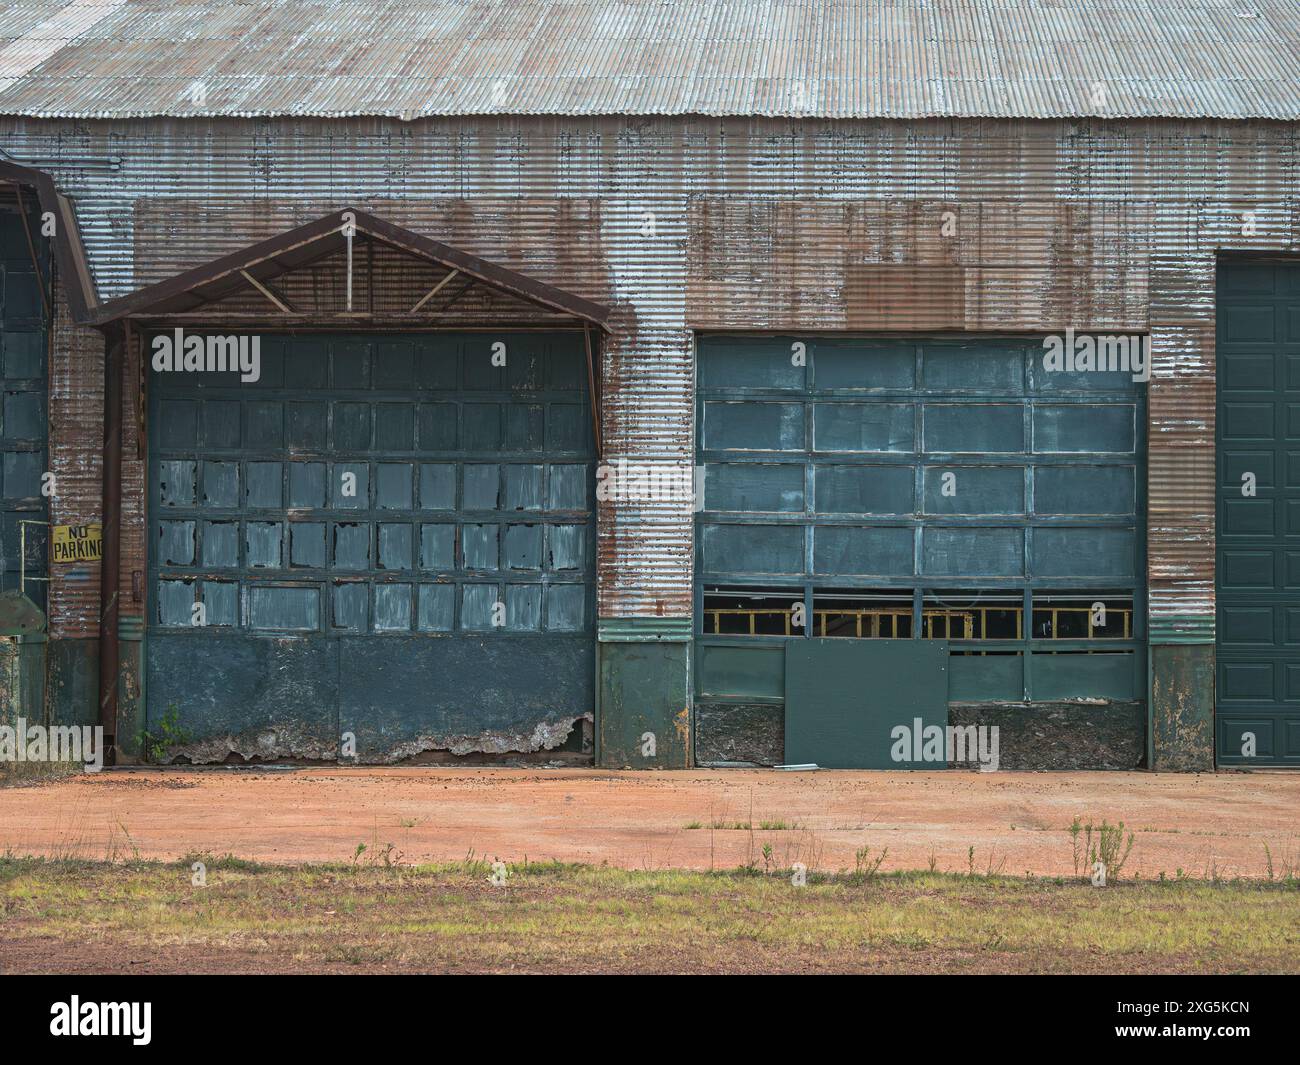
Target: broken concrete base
[[288, 743]]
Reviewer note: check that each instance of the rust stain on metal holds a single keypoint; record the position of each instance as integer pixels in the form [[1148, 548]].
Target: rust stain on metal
[[76, 460], [695, 223], [798, 58]]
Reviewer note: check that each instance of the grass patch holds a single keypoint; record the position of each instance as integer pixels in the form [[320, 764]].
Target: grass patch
[[226, 862], [20, 774], [550, 917]]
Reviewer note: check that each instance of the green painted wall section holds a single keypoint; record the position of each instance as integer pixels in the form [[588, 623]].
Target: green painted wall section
[[845, 699], [56, 681], [1180, 721], [740, 697], [73, 681], [1181, 628], [130, 690], [22, 679], [1182, 707], [638, 630], [643, 718], [740, 669]]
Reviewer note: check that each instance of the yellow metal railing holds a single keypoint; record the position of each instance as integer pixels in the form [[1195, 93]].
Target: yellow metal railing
[[1056, 611], [872, 620], [876, 622], [752, 616]]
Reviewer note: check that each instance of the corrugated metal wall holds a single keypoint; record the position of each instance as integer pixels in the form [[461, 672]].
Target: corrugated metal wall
[[695, 223], [77, 462]]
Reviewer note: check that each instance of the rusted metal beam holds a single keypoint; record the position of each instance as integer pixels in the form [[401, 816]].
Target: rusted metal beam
[[451, 300], [370, 277], [397, 322], [69, 252], [31, 250], [266, 291], [592, 379], [435, 290]]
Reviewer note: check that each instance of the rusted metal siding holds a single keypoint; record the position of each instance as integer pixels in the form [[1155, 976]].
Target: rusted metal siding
[[76, 460], [809, 58], [497, 180], [134, 563], [695, 223]]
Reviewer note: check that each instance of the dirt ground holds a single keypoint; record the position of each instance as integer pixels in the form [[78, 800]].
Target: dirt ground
[[1014, 823]]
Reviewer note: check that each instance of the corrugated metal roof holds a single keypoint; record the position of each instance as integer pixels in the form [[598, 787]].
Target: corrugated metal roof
[[805, 58]]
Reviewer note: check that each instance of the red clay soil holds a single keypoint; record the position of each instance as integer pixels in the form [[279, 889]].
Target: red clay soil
[[1016, 822]]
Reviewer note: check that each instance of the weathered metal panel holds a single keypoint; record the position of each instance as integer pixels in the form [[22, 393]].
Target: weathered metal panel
[[22, 680], [752, 224], [1182, 708], [844, 698], [644, 716], [1180, 470], [401, 696], [131, 674], [134, 564], [643, 630], [831, 58], [270, 699], [72, 681]]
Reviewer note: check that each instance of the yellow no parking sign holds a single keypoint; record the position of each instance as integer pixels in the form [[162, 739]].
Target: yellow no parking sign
[[78, 543]]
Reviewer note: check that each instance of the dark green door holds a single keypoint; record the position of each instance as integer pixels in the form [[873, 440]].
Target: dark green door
[[837, 720], [24, 428], [390, 538], [1258, 511]]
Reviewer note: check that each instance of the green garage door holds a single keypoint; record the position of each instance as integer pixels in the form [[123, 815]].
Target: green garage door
[[1258, 557], [922, 489], [391, 537], [24, 427]]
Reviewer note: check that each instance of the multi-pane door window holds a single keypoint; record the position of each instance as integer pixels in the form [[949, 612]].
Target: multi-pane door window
[[946, 489], [378, 485]]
